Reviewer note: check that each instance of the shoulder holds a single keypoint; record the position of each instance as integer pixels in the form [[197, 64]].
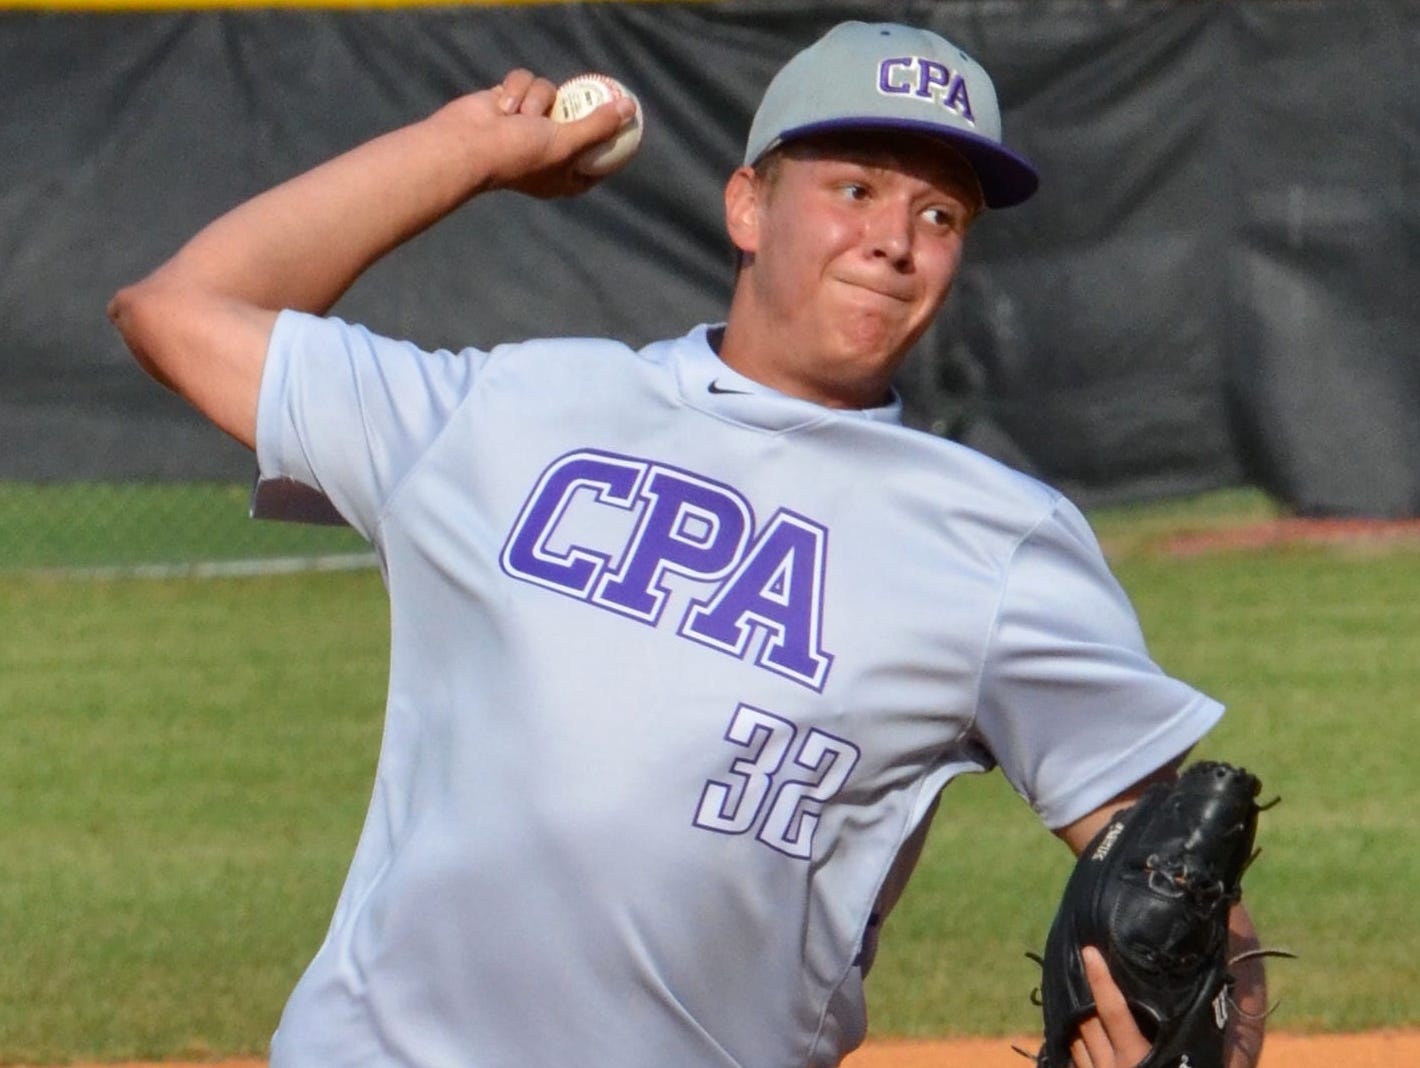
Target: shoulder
[[564, 348], [1042, 541], [970, 486], [579, 370], [300, 330], [999, 479], [551, 360]]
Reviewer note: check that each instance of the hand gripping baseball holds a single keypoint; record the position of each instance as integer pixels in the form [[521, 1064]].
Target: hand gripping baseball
[[582, 95], [531, 150]]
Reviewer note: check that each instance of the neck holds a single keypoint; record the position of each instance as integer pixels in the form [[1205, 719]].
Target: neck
[[779, 362]]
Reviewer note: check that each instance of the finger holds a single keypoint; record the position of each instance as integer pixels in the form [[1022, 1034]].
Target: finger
[[1109, 1001], [538, 98], [513, 89], [1126, 1042], [1079, 1056], [1092, 1048], [605, 120], [600, 124]]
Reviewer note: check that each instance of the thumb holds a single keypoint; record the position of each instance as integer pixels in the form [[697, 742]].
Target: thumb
[[600, 124]]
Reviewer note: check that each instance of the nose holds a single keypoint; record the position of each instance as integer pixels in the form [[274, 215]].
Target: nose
[[889, 234]]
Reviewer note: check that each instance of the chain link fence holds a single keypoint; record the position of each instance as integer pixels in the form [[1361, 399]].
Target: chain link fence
[[176, 528]]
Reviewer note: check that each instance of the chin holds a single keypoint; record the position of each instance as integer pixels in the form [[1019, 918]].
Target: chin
[[881, 326], [865, 352]]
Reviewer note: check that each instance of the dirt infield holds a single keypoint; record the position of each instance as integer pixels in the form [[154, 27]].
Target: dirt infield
[[1351, 534], [1378, 1049]]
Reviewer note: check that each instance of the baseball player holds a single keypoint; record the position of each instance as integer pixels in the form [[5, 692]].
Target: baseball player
[[686, 641]]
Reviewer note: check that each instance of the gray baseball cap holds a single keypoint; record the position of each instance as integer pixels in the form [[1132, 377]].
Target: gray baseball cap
[[882, 75]]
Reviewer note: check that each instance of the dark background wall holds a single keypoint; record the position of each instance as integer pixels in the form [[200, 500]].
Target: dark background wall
[[1216, 285]]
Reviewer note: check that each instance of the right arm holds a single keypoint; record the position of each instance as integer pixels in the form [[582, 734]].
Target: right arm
[[201, 322]]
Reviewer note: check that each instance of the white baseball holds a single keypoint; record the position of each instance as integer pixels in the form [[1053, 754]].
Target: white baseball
[[580, 96]]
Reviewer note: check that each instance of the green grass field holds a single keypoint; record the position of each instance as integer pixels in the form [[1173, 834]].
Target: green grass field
[[123, 524], [184, 765]]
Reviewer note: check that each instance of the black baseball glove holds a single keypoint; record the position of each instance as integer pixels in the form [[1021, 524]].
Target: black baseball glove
[[1152, 893]]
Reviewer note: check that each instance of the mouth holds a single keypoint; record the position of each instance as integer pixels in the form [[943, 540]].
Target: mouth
[[896, 293]]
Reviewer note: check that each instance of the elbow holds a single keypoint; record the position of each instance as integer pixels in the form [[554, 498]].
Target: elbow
[[122, 309], [118, 306], [136, 314], [206, 348]]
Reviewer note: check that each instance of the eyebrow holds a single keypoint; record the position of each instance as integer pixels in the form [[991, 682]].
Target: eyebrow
[[959, 181]]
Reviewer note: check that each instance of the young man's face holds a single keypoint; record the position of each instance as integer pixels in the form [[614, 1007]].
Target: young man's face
[[852, 243]]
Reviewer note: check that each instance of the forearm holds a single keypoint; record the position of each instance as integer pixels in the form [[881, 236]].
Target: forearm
[[1247, 1020], [304, 242]]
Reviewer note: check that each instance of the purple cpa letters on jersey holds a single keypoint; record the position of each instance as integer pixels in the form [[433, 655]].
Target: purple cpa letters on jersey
[[767, 579]]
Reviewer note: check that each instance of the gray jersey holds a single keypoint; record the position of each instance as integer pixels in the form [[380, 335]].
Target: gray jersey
[[679, 665]]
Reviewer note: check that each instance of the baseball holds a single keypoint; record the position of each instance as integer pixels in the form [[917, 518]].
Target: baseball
[[580, 95]]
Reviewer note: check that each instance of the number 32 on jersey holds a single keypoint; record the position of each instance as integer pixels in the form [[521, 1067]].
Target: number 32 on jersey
[[780, 783]]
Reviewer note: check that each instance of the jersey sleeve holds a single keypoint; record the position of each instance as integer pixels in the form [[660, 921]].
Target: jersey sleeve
[[1072, 706], [349, 413]]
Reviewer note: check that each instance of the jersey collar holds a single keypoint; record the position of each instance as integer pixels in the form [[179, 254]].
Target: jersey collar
[[706, 382]]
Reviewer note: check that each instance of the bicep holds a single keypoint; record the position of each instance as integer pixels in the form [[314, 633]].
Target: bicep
[[207, 348]]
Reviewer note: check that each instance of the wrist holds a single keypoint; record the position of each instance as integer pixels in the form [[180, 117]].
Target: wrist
[[479, 148]]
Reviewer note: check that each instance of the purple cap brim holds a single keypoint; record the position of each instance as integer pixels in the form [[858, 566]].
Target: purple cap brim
[[1006, 178]]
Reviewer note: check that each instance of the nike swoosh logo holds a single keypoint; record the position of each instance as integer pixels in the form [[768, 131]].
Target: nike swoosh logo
[[715, 387]]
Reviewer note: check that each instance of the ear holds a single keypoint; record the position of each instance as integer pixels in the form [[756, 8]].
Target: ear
[[742, 193]]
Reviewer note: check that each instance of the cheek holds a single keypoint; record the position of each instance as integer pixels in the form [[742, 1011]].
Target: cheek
[[803, 237], [804, 253], [941, 265], [818, 228], [838, 233]]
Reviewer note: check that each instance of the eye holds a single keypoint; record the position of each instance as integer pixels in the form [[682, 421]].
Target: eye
[[853, 191], [946, 216]]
